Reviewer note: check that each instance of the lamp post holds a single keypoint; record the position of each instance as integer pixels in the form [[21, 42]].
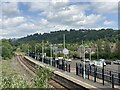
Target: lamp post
[[90, 53], [51, 54], [83, 48], [97, 53], [42, 50], [64, 43], [28, 50], [84, 61], [35, 52]]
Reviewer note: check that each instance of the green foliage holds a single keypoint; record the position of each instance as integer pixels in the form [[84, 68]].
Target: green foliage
[[72, 36], [7, 49], [60, 55], [44, 75], [13, 81]]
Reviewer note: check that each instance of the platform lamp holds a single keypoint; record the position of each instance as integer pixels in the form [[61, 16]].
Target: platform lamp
[[42, 50], [51, 54], [83, 47]]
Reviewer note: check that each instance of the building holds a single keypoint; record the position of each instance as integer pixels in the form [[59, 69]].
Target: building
[[80, 51]]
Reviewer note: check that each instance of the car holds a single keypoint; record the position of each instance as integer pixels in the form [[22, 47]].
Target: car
[[102, 59], [97, 63], [92, 63], [87, 60], [68, 60], [56, 58], [108, 62], [60, 58], [116, 62]]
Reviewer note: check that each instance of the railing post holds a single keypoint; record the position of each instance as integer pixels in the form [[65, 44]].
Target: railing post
[[76, 69], [82, 71], [54, 63], [66, 67], [88, 73], [103, 75], [57, 63], [110, 75], [119, 78], [69, 67], [95, 74], [63, 66], [90, 69], [112, 81]]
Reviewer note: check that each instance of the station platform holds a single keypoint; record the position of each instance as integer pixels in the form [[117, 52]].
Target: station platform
[[72, 77]]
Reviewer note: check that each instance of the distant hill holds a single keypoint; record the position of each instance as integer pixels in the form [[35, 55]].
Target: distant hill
[[72, 36]]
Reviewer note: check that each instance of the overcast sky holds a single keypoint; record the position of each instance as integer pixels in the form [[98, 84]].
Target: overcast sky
[[19, 19]]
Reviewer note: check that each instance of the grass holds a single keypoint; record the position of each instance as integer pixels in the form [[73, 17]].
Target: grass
[[11, 79]]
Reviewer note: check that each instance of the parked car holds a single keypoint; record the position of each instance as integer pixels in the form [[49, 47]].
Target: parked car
[[97, 63], [117, 62], [87, 60], [106, 61], [92, 63], [69, 60]]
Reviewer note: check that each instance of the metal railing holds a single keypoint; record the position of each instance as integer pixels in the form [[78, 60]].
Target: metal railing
[[97, 74]]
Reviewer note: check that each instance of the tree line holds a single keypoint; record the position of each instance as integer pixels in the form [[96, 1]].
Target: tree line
[[73, 36]]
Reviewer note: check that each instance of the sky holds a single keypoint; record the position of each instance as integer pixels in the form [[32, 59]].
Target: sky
[[19, 19]]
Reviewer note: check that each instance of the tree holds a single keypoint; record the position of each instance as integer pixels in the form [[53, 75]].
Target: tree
[[117, 50], [7, 49], [107, 51]]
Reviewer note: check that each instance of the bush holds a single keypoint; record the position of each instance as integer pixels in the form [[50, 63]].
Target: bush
[[43, 76]]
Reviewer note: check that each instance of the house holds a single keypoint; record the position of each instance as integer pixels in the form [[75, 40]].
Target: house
[[60, 50], [80, 51]]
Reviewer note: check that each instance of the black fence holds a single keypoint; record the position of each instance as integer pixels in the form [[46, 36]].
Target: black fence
[[61, 64], [98, 74]]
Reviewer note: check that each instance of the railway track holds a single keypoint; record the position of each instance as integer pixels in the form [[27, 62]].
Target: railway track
[[31, 69]]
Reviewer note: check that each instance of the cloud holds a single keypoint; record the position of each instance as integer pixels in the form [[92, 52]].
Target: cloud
[[39, 6], [44, 22], [18, 31], [48, 5], [105, 7], [73, 15], [10, 9], [109, 23], [49, 16], [12, 22], [104, 0]]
